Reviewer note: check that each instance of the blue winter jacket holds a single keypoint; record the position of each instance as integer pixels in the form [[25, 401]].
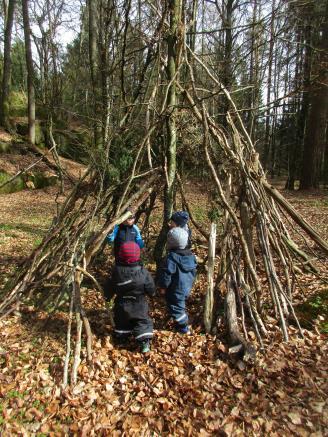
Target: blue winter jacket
[[122, 233], [178, 271]]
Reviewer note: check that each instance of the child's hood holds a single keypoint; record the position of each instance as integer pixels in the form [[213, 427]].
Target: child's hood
[[132, 271], [186, 263]]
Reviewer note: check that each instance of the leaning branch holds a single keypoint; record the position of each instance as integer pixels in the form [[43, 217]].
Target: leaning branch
[[295, 216]]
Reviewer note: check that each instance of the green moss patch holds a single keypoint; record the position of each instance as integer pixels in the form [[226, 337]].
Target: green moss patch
[[18, 104], [38, 179], [309, 311], [22, 129], [15, 185], [42, 180]]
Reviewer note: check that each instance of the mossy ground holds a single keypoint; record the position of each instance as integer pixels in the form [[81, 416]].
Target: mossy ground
[[11, 187], [314, 311]]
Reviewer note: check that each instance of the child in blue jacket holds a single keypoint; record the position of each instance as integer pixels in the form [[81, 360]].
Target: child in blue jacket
[[176, 276], [126, 231]]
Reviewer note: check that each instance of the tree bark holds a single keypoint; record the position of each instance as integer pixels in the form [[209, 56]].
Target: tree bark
[[170, 156], [253, 72], [269, 84], [92, 8], [4, 101], [227, 74], [92, 40], [4, 10], [315, 136], [315, 139], [30, 73], [293, 152], [172, 42]]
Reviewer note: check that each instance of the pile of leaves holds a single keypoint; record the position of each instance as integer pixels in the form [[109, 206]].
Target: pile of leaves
[[186, 385]]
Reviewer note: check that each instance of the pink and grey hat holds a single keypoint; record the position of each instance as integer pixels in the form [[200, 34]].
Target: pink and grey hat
[[129, 252]]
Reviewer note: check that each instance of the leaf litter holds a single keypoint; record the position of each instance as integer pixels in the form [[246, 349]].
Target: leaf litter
[[186, 385]]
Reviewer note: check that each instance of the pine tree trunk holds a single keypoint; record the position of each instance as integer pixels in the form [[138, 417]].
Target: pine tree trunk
[[269, 84], [315, 140], [294, 148], [315, 136]]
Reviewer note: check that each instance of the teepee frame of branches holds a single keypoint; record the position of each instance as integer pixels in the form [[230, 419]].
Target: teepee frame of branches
[[252, 220]]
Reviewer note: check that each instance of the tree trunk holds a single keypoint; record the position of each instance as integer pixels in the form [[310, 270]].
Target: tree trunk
[[315, 139], [92, 40], [269, 84], [254, 71], [293, 151], [171, 145], [325, 163], [227, 74], [4, 10], [315, 136], [191, 37], [30, 74], [276, 84], [4, 101], [171, 107], [92, 7]]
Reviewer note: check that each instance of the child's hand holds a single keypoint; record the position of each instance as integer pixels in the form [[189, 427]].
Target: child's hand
[[162, 291]]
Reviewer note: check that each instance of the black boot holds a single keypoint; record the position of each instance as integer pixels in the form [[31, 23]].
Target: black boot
[[120, 339], [144, 346]]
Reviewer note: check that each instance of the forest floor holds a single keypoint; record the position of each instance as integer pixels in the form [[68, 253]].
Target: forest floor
[[186, 385]]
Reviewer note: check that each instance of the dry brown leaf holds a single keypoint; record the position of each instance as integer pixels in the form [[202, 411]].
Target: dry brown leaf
[[295, 418]]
